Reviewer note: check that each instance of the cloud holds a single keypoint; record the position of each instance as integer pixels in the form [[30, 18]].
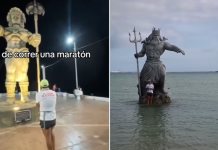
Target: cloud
[[190, 25], [170, 10]]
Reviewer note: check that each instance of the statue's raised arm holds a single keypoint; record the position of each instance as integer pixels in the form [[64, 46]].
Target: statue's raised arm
[[174, 48]]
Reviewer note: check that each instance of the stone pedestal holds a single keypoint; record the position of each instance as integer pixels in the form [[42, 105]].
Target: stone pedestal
[[158, 99], [8, 112]]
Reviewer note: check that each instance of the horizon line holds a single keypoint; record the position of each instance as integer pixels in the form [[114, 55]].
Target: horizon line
[[166, 72]]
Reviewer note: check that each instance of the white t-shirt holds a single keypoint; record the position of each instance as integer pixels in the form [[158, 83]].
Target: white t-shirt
[[150, 88], [47, 101]]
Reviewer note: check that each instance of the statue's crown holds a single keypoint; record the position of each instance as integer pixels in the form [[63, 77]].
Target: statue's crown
[[156, 32]]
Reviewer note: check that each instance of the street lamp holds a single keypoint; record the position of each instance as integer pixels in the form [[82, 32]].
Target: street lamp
[[70, 40], [43, 72], [77, 91]]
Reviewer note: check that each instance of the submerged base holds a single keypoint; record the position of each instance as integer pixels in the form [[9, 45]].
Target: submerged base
[[158, 99]]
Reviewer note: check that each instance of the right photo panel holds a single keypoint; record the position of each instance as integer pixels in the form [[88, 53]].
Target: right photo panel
[[164, 75]]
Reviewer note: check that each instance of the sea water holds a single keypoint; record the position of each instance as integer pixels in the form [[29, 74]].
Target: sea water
[[190, 122]]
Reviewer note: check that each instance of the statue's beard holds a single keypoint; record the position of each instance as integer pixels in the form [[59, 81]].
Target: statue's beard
[[16, 23], [155, 40]]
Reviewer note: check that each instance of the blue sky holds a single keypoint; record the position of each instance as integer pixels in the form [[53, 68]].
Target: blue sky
[[191, 25]]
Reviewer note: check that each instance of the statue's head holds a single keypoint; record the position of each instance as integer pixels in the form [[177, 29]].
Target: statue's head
[[154, 36], [155, 32], [16, 16]]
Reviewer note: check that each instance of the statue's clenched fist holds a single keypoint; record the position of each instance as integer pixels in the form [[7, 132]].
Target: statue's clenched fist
[[35, 40]]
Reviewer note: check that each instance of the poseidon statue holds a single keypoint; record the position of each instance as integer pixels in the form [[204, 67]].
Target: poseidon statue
[[154, 70]]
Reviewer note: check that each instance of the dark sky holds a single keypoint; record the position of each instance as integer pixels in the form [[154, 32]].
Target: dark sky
[[88, 21]]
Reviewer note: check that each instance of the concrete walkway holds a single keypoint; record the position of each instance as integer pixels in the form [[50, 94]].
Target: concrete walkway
[[81, 125]]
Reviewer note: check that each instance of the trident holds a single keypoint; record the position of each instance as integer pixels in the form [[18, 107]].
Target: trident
[[136, 41], [35, 8]]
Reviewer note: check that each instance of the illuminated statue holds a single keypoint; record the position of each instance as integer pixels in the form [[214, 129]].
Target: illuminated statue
[[16, 68], [153, 47]]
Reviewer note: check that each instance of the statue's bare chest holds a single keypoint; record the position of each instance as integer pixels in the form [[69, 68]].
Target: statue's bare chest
[[17, 34]]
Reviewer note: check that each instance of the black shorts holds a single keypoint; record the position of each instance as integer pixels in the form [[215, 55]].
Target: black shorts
[[47, 123], [149, 94]]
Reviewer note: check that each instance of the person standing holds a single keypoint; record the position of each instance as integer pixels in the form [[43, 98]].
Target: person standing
[[46, 102], [54, 88], [149, 90]]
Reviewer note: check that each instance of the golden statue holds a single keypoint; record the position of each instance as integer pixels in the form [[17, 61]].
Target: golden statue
[[16, 68]]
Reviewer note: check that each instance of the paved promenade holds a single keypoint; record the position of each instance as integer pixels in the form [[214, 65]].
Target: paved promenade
[[81, 125]]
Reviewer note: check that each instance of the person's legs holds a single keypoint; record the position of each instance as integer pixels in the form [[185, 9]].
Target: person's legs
[[49, 138], [53, 138], [47, 127], [151, 99], [148, 99], [45, 132]]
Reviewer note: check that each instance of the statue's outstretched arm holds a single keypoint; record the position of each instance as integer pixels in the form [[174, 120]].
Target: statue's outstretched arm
[[141, 53], [174, 48], [34, 39], [1, 31]]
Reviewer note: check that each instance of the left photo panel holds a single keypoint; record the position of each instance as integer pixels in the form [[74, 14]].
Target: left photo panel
[[54, 75]]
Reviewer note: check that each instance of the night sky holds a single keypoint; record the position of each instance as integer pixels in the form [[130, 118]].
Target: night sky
[[88, 22]]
